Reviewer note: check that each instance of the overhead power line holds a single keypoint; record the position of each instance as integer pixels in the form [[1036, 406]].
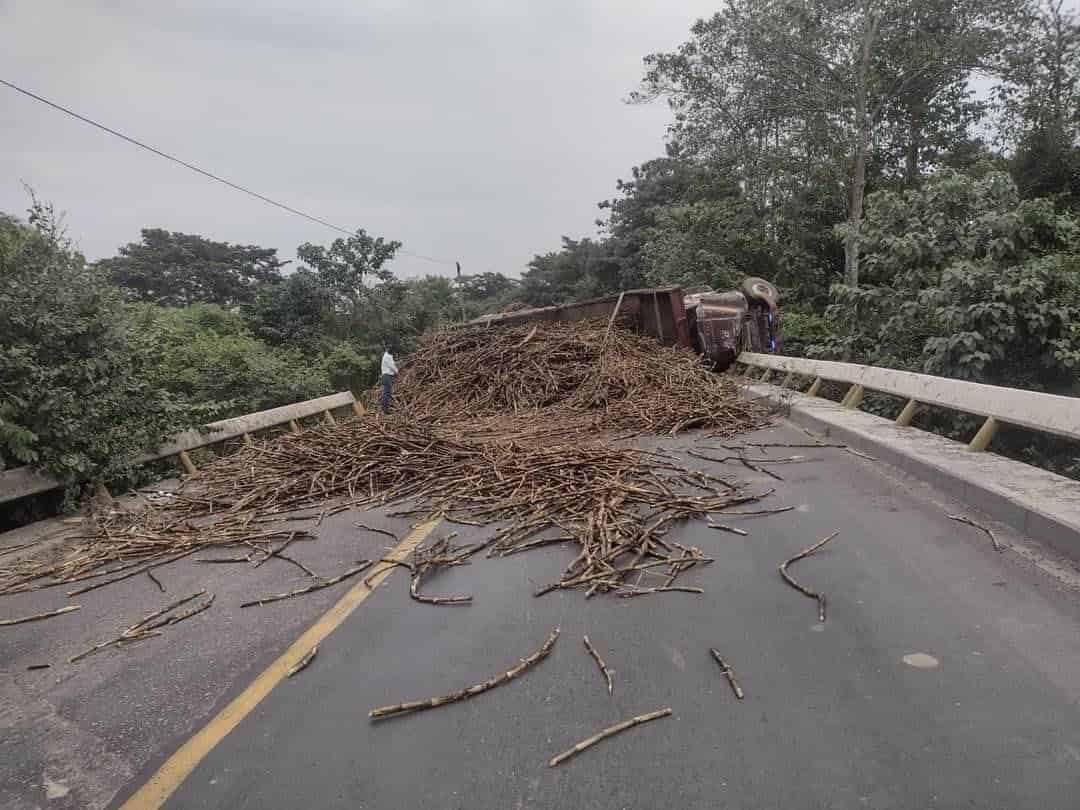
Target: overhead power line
[[203, 172]]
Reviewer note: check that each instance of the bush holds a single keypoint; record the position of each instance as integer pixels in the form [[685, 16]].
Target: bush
[[207, 358], [77, 399], [965, 280]]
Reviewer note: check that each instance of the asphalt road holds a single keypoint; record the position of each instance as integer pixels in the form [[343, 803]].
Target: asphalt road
[[834, 716]]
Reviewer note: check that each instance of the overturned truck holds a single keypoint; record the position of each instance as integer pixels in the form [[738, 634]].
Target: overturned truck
[[716, 325]]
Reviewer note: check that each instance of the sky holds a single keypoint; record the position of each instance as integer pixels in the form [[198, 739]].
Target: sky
[[473, 131]]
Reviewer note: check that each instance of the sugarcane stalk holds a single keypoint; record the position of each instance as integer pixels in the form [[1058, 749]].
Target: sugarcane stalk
[[726, 671], [607, 732], [308, 657], [600, 663], [318, 586], [431, 703], [38, 616], [802, 588]]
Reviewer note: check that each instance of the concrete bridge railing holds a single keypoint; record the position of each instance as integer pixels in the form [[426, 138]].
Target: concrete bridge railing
[[1047, 413], [21, 482]]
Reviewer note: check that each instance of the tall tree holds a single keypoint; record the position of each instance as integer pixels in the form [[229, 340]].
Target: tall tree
[[177, 269], [777, 83], [76, 397], [1039, 100], [348, 266]]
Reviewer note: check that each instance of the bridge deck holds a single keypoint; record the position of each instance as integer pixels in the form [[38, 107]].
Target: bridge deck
[[833, 715]]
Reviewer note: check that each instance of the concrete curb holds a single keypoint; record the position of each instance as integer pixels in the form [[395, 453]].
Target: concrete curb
[[1042, 505]]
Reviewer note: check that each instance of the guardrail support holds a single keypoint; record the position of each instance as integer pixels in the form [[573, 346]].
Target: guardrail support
[[984, 436], [787, 379], [815, 386], [765, 377], [186, 463], [293, 426], [906, 415], [329, 417], [853, 398], [358, 409], [248, 440]]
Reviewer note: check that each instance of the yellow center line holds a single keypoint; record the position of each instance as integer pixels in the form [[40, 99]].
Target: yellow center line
[[156, 791]]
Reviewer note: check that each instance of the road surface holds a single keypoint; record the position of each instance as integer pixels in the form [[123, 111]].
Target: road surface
[[946, 675]]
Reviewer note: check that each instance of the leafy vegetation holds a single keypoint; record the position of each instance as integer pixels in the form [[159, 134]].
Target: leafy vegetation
[[77, 396], [833, 146]]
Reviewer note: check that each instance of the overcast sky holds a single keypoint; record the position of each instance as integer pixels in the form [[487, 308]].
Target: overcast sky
[[479, 131]]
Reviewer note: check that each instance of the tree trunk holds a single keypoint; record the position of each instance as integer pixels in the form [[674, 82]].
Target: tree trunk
[[914, 147], [855, 211], [862, 146]]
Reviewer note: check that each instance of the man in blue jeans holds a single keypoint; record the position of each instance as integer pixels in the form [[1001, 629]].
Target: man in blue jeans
[[389, 371]]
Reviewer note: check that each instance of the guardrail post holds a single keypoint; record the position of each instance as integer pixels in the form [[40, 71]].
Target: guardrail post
[[906, 415], [765, 377], [293, 426], [815, 386], [186, 463], [248, 440], [329, 417], [985, 435], [358, 408], [853, 398], [787, 379]]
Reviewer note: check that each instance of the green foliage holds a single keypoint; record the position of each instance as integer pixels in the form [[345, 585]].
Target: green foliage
[[177, 269], [582, 269], [206, 357], [348, 369], [486, 288], [75, 396], [347, 265], [967, 280], [708, 243], [296, 311]]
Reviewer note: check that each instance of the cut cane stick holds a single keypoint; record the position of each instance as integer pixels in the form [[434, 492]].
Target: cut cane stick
[[725, 669], [472, 691], [38, 616], [600, 663], [607, 732], [802, 588]]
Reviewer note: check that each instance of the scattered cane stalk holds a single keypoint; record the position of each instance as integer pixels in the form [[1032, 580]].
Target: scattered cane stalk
[[802, 588], [38, 616], [318, 586], [600, 663], [725, 670], [309, 656], [964, 519], [607, 732], [472, 691]]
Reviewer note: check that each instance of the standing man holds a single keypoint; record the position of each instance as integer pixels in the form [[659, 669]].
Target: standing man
[[389, 371]]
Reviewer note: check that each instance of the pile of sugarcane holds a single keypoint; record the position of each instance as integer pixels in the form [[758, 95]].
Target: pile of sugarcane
[[622, 380], [496, 427]]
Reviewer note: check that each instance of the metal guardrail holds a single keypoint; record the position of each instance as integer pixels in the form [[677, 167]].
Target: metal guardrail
[[1047, 413], [23, 481]]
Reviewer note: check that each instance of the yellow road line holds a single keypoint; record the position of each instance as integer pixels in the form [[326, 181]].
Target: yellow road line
[[179, 766]]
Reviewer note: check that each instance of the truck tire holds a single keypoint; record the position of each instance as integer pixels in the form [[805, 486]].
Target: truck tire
[[758, 289]]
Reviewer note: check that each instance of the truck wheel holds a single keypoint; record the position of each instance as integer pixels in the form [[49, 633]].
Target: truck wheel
[[758, 289]]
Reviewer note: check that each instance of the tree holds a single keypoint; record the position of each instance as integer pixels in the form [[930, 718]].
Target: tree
[[965, 279], [348, 266], [1039, 100], [205, 356], [76, 396], [583, 268], [176, 269], [295, 311], [483, 287], [768, 84]]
